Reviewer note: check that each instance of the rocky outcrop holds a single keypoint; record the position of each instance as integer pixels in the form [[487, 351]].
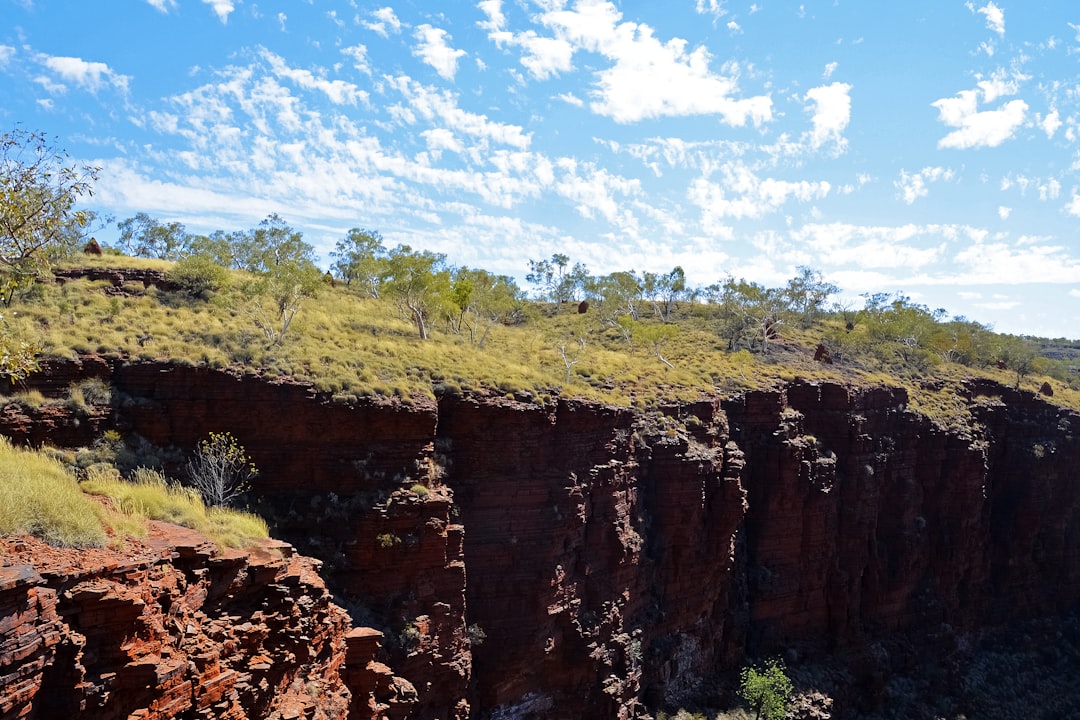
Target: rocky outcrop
[[168, 627], [515, 556]]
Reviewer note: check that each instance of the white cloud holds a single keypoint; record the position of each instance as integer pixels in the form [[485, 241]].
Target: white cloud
[[6, 53], [1051, 123], [544, 56], [1049, 190], [221, 8], [594, 189], [987, 128], [90, 76], [870, 246], [995, 17], [440, 139], [741, 194], [649, 78], [832, 112], [913, 186], [434, 50], [1073, 206], [385, 22], [1004, 212], [282, 18], [998, 262], [358, 53], [431, 104], [571, 99], [496, 21], [339, 92], [711, 7], [162, 6], [1000, 85]]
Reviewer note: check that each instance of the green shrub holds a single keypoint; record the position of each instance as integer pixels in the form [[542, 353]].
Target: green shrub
[[767, 689], [198, 276]]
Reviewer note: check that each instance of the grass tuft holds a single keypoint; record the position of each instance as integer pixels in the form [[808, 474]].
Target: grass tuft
[[38, 496], [149, 495]]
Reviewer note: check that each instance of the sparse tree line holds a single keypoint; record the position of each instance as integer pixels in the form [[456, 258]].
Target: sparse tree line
[[40, 188], [645, 309]]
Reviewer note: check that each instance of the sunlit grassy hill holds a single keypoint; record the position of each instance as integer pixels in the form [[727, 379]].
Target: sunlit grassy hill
[[351, 345]]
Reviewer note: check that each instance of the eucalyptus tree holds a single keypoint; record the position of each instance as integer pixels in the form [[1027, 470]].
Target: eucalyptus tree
[[39, 189], [558, 281], [360, 258], [808, 294], [270, 244], [146, 236], [418, 281], [665, 291], [480, 300]]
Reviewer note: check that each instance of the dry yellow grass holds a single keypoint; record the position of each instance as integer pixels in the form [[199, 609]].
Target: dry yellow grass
[[350, 345]]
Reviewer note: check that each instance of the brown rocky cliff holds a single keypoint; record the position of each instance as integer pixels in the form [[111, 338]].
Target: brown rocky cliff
[[167, 627], [617, 559]]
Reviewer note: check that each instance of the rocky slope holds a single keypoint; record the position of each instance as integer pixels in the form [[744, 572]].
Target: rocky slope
[[616, 560], [168, 627]]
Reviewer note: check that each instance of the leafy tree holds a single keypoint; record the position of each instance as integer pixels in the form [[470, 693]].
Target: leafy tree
[[221, 469], [419, 283], [747, 310], [286, 286], [479, 300], [39, 187], [653, 336], [767, 690], [360, 259], [271, 244], [618, 294], [665, 291], [1017, 354], [217, 246], [807, 294], [18, 357], [144, 236], [556, 283]]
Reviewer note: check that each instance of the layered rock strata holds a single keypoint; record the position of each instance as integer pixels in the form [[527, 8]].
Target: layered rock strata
[[531, 557], [168, 627]]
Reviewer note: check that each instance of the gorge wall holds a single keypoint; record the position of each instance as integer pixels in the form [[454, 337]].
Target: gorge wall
[[167, 627], [612, 559]]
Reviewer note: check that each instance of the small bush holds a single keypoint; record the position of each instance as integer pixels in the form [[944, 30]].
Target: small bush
[[198, 276], [387, 540], [86, 393], [221, 469]]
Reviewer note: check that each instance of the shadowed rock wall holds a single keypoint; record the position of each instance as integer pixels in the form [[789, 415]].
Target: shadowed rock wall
[[617, 559]]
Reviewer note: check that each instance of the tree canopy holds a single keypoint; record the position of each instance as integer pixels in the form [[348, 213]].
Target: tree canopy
[[39, 188]]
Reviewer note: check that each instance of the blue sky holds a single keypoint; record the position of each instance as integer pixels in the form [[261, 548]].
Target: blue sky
[[930, 147]]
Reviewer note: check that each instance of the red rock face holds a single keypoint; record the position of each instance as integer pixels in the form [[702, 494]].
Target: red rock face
[[165, 628], [616, 559]]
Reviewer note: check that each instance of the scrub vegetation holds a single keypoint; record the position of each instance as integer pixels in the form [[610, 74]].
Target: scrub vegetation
[[407, 322]]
